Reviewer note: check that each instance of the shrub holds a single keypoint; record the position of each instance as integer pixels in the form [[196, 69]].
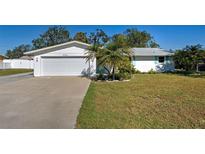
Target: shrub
[[123, 76], [101, 77], [125, 66], [137, 72], [151, 72]]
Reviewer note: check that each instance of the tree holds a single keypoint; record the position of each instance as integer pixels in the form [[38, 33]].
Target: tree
[[119, 41], [112, 54], [98, 38], [136, 38], [54, 35], [189, 57], [110, 59], [81, 36], [18, 51]]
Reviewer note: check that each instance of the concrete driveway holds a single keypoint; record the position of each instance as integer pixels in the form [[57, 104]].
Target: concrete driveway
[[41, 102]]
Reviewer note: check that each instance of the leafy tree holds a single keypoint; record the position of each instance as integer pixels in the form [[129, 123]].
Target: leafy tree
[[81, 36], [119, 41], [54, 35], [189, 57], [18, 51], [98, 38], [153, 44], [136, 38]]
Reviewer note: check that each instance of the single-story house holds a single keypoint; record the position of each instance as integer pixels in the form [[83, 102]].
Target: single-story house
[[2, 58], [146, 59], [26, 58], [69, 59], [17, 64], [1, 61]]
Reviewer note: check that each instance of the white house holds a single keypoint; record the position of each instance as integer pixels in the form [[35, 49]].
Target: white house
[[69, 59], [17, 64], [146, 59]]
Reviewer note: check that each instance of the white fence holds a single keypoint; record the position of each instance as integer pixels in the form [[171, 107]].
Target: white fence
[[16, 63]]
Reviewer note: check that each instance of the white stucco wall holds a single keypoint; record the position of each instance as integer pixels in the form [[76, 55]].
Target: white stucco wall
[[146, 63], [69, 52], [18, 64]]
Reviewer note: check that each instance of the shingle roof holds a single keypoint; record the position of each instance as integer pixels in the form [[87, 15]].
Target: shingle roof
[[135, 51], [150, 52], [57, 47], [26, 58], [3, 56]]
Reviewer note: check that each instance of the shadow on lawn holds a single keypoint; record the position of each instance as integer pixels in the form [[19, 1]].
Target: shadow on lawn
[[192, 74]]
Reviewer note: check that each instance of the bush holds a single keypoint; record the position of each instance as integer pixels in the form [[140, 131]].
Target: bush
[[137, 72], [125, 66], [101, 77], [151, 72], [123, 76]]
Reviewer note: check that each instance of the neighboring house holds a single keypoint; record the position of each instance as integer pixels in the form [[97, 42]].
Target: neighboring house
[[2, 58], [1, 61], [24, 62], [146, 59], [17, 64], [69, 59], [26, 58]]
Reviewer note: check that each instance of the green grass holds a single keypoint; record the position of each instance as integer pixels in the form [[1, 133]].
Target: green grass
[[147, 101], [14, 71]]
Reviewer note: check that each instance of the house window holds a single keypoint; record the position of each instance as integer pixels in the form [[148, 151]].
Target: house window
[[161, 59]]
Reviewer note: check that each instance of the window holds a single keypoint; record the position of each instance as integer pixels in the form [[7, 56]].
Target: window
[[161, 59]]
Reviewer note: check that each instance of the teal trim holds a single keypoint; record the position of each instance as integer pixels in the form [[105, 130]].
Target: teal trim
[[166, 59], [156, 59]]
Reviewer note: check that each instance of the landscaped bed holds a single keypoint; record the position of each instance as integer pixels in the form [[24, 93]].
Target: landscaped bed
[[147, 101], [14, 71]]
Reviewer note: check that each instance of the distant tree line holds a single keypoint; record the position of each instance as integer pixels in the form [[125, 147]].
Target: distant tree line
[[189, 57], [59, 34], [116, 46]]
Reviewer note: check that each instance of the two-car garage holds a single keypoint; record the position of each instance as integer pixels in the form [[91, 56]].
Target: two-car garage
[[64, 66], [67, 59]]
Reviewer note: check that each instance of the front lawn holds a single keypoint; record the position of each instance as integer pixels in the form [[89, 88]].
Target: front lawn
[[14, 71], [147, 101]]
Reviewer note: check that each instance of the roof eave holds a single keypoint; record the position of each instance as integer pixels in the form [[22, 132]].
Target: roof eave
[[33, 52]]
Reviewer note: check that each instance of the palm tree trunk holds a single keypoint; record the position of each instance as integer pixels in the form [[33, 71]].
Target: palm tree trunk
[[113, 73], [107, 70]]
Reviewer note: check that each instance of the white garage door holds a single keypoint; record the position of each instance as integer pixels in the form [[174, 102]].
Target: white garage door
[[64, 66]]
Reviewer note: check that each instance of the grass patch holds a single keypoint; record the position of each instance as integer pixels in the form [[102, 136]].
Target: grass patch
[[147, 101], [14, 71]]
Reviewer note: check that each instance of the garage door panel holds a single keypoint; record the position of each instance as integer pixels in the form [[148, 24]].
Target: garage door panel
[[64, 66]]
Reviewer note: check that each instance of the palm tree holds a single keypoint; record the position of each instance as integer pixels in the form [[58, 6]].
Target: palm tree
[[110, 58], [111, 54]]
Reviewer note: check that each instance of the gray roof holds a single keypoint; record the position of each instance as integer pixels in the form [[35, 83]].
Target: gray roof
[[26, 58], [150, 52], [57, 47]]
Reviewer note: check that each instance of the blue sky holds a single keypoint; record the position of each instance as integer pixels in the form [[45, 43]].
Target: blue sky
[[169, 37]]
